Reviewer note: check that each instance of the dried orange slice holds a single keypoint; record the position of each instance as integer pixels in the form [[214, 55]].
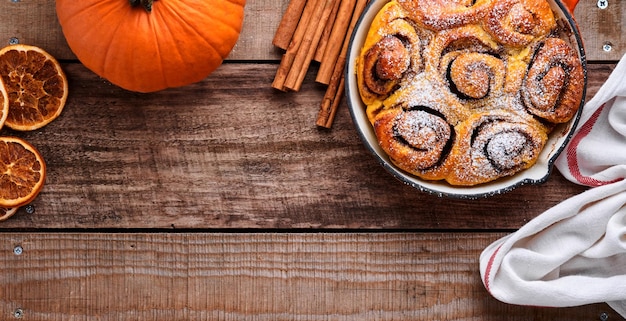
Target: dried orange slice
[[5, 213], [22, 172], [35, 84], [4, 103]]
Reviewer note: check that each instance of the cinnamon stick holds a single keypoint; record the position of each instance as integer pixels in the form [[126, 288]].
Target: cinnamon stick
[[335, 90], [290, 54], [332, 96], [288, 24], [321, 47], [283, 70], [330, 104], [309, 44], [335, 41]]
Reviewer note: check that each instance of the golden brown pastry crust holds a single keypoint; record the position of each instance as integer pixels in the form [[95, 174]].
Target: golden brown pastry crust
[[519, 22], [393, 29], [553, 86], [445, 14], [467, 91], [418, 140], [495, 144]]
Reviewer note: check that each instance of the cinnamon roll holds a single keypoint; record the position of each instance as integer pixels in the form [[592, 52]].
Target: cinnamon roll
[[418, 139], [494, 145], [445, 14], [474, 76], [467, 91], [468, 62], [519, 22], [388, 55], [553, 86]]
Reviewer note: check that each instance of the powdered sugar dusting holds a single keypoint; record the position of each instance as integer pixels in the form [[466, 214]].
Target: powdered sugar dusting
[[467, 105]]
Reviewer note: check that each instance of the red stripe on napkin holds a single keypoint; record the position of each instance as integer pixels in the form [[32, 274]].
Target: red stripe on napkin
[[489, 267], [572, 153]]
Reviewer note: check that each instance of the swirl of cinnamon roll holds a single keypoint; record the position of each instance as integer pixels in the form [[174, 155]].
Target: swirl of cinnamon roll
[[553, 86], [418, 140], [519, 22], [446, 14], [388, 55], [468, 62], [467, 91], [493, 145], [475, 75], [384, 64]]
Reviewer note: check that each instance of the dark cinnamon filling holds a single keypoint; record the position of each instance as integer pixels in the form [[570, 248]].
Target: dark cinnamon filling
[[547, 81], [425, 130], [469, 94], [505, 148]]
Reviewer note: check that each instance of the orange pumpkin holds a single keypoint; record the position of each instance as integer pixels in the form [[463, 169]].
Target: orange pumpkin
[[143, 46]]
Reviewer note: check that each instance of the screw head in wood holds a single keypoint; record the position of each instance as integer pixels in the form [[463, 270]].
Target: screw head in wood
[[30, 209], [18, 313]]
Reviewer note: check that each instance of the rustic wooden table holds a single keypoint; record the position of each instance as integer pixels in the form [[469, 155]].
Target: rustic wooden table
[[223, 201]]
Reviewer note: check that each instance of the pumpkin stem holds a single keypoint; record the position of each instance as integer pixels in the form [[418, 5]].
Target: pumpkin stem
[[146, 4]]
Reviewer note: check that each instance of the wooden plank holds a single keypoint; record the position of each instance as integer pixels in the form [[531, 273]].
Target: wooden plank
[[34, 22], [301, 276], [230, 152], [600, 26], [113, 167]]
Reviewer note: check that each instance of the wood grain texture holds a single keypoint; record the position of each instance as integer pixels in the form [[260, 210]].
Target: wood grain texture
[[34, 22], [599, 27], [300, 276], [230, 152]]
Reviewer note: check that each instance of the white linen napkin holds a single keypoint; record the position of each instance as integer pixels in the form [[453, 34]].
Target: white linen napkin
[[574, 253]]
